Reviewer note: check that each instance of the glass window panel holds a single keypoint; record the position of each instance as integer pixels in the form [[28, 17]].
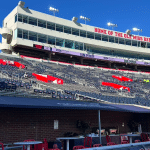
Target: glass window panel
[[19, 17], [148, 45], [42, 38], [59, 42], [90, 35], [127, 42], [111, 39], [50, 26], [33, 21], [82, 33], [139, 44], [25, 34], [121, 41], [51, 40], [75, 31], [69, 44], [67, 30], [143, 44], [25, 19], [116, 40], [15, 35], [32, 36], [19, 33], [97, 36], [41, 23], [16, 16], [78, 45], [134, 43], [104, 38], [94, 50], [59, 28]]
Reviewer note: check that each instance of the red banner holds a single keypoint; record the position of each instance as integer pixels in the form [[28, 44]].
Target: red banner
[[122, 78], [47, 78], [116, 86]]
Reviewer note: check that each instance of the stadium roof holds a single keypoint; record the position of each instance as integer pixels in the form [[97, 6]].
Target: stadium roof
[[19, 102]]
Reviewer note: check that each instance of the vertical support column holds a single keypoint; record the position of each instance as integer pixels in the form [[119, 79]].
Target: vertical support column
[[109, 64], [135, 67], [81, 61], [49, 55], [99, 124]]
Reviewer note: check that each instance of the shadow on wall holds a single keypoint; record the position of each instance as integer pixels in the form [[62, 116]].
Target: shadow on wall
[[27, 10]]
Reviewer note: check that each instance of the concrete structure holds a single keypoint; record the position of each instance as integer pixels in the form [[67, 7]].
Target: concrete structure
[[24, 28]]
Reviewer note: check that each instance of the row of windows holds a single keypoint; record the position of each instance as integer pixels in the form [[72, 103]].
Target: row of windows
[[77, 32], [48, 39], [71, 44]]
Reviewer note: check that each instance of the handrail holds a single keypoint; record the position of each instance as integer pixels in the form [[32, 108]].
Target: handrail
[[119, 146]]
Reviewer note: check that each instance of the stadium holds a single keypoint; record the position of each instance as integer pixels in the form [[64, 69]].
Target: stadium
[[57, 75]]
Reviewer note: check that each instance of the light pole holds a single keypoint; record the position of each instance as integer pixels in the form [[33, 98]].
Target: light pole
[[109, 24], [137, 30], [85, 18], [54, 10]]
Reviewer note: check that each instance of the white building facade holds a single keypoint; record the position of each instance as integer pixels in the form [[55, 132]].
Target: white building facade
[[24, 29]]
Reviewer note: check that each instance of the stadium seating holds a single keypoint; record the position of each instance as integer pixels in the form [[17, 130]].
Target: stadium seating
[[80, 83]]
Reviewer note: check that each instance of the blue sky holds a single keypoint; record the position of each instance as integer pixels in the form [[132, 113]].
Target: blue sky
[[127, 14]]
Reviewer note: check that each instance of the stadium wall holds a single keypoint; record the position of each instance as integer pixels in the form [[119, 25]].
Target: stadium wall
[[20, 124]]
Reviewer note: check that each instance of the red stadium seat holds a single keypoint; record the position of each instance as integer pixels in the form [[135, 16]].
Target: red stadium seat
[[97, 145], [78, 147]]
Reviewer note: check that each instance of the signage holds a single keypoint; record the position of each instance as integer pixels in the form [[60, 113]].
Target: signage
[[92, 56], [122, 35]]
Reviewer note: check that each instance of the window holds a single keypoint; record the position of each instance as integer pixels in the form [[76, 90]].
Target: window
[[69, 44], [111, 39], [127, 42], [59, 28], [50, 26], [41, 23], [33, 21], [121, 41], [75, 31], [82, 33], [60, 42], [15, 35], [25, 19], [79, 45], [116, 40], [134, 43], [67, 30], [19, 33], [25, 34], [19, 17], [98, 36], [104, 38], [148, 45], [51, 40], [16, 16], [42, 38], [90, 35], [32, 36], [139, 43]]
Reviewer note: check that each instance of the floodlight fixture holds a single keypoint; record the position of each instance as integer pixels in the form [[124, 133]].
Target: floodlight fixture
[[109, 24], [54, 10], [85, 18], [137, 30]]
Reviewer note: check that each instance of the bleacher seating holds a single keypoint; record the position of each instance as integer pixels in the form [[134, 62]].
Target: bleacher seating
[[80, 83]]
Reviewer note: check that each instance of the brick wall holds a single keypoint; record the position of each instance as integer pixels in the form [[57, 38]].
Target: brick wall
[[20, 124]]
